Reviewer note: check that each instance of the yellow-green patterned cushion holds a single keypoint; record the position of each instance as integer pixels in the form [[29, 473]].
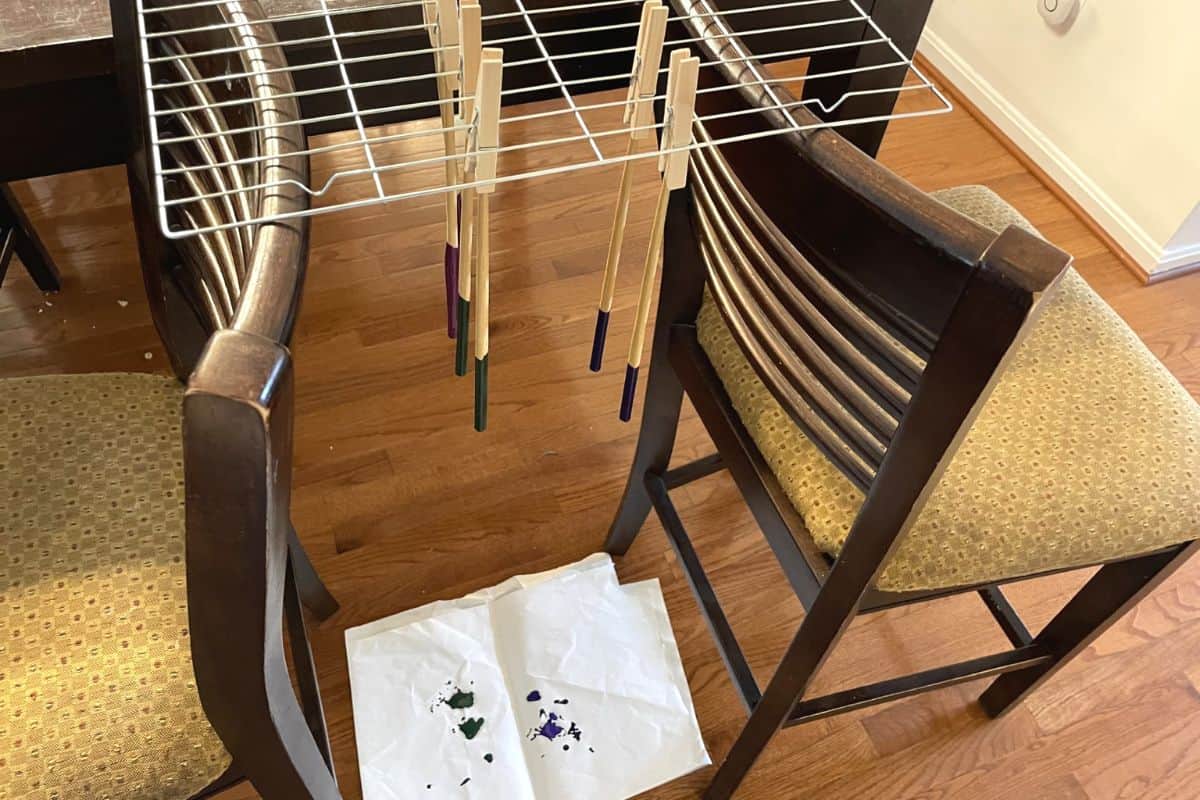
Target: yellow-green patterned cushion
[[97, 694], [1087, 450]]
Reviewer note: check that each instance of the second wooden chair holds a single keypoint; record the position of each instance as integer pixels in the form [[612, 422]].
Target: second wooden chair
[[917, 396]]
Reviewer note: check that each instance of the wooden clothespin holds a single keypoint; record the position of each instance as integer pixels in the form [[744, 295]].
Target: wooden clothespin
[[483, 141], [643, 80], [673, 161], [470, 47], [441, 22], [447, 29], [639, 118]]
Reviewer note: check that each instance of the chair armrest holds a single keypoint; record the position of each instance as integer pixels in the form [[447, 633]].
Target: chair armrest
[[1026, 261], [237, 428]]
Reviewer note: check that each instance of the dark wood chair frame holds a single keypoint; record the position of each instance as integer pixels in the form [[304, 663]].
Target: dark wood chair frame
[[248, 574], [951, 290], [18, 237]]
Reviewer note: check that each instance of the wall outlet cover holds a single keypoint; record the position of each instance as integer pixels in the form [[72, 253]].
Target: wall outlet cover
[[1059, 14]]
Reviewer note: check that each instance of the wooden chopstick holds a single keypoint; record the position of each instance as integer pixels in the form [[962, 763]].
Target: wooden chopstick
[[639, 116], [482, 164], [470, 43], [441, 19], [673, 162]]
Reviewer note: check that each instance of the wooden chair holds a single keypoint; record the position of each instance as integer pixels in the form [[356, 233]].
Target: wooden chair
[[917, 396], [150, 558]]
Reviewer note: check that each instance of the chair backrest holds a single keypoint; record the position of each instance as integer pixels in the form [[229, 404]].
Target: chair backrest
[[228, 129], [225, 303], [878, 317]]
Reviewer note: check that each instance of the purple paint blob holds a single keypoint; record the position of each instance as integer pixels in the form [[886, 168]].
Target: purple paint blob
[[534, 696], [550, 729], [451, 274], [553, 726]]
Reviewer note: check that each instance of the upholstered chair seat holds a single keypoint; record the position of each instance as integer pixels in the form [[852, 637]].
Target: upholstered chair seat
[[1088, 450], [97, 693]]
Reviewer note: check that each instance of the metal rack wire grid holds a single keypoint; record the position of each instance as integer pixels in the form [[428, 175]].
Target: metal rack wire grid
[[379, 164]]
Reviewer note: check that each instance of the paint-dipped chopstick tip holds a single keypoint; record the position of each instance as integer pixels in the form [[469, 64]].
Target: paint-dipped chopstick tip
[[461, 343], [451, 269], [481, 393], [628, 392], [598, 339]]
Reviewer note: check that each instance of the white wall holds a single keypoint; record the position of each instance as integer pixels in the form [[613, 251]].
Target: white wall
[[1110, 108]]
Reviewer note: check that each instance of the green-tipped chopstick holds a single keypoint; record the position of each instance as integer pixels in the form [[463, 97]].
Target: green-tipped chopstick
[[482, 167], [482, 292]]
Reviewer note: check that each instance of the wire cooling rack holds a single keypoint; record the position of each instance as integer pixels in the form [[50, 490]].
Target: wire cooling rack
[[375, 163]]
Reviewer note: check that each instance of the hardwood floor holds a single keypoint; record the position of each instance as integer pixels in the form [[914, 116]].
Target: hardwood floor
[[400, 502]]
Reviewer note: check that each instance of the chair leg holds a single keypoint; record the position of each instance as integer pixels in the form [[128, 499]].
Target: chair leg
[[25, 243], [656, 440], [678, 301], [313, 594], [1103, 600], [819, 632], [304, 670], [7, 239]]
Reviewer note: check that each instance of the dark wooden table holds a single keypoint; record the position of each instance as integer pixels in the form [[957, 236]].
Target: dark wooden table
[[59, 106], [60, 109]]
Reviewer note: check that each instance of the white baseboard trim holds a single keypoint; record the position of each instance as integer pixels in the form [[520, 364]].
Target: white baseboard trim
[[1149, 255], [1176, 261]]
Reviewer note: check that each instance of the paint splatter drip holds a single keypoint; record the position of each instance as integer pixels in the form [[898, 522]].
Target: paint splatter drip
[[459, 701], [470, 727], [550, 729], [552, 726]]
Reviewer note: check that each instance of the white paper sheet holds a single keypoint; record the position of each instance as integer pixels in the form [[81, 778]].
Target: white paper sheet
[[572, 643], [410, 740]]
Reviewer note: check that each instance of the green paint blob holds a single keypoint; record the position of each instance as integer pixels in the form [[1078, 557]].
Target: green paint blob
[[487, 757], [470, 727], [461, 699]]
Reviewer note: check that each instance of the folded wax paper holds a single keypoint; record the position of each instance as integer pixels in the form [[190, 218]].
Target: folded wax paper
[[560, 684]]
